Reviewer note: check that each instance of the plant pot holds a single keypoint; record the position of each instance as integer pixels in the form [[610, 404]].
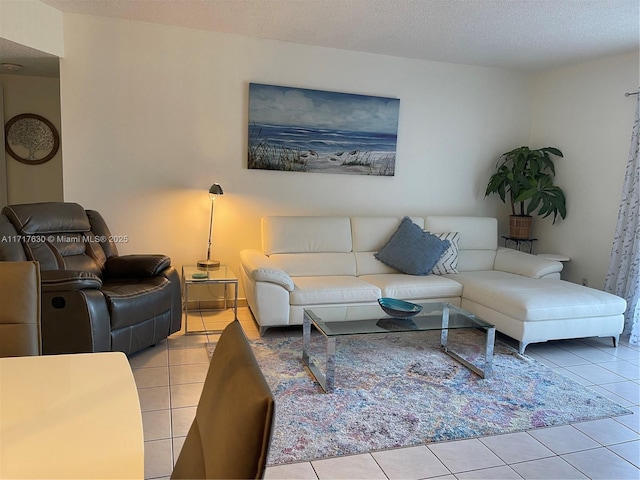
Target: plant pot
[[520, 226]]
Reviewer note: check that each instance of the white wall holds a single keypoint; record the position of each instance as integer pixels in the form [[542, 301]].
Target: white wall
[[32, 23], [582, 110], [152, 115], [38, 26]]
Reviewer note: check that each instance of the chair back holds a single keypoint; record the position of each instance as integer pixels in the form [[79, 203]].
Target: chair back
[[58, 235], [231, 432], [20, 333]]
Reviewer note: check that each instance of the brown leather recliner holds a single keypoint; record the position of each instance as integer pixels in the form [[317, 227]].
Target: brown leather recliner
[[93, 300]]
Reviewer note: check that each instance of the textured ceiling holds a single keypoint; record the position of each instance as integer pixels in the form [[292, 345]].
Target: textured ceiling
[[519, 34]]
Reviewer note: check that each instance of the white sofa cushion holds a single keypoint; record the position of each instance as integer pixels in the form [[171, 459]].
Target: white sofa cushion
[[478, 239], [332, 289], [370, 234], [530, 299], [309, 264], [306, 234], [513, 261], [368, 264], [410, 287]]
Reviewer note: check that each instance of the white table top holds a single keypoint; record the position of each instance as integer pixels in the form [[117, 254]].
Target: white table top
[[70, 416]]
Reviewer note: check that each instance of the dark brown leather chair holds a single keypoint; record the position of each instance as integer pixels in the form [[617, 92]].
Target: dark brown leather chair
[[231, 432], [93, 300], [20, 309]]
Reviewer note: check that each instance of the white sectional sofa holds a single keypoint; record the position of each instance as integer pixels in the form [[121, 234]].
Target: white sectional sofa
[[314, 261]]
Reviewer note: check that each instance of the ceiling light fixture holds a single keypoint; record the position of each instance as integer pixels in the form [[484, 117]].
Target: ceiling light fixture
[[12, 67]]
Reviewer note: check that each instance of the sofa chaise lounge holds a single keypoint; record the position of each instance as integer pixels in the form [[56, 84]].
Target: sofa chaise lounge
[[321, 261]]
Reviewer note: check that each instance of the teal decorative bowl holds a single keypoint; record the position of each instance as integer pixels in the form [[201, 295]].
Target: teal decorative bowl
[[399, 308]]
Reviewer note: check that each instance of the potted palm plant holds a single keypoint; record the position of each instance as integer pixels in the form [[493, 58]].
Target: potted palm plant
[[526, 176]]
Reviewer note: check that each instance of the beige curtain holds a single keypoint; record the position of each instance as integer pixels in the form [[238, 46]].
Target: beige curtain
[[623, 277]]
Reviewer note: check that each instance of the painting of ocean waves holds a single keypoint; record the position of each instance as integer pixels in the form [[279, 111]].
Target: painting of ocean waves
[[301, 130]]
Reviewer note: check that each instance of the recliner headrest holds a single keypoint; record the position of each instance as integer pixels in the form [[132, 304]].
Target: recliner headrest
[[47, 217]]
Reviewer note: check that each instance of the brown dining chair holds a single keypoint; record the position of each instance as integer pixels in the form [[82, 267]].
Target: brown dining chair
[[231, 432], [20, 309]]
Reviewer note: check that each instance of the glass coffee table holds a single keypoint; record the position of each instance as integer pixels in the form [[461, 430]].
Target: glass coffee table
[[335, 322]]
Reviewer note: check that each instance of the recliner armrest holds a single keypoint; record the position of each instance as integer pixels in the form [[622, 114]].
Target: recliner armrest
[[65, 280], [525, 264], [261, 268], [136, 266]]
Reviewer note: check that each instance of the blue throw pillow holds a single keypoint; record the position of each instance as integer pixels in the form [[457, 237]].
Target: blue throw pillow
[[412, 250]]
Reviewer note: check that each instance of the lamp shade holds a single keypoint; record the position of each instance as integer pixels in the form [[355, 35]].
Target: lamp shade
[[216, 189]]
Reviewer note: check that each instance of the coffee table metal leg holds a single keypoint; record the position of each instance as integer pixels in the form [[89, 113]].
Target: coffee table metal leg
[[331, 365], [306, 338], [488, 353], [326, 381], [444, 333]]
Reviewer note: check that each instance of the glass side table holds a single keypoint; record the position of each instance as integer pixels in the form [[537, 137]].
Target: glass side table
[[222, 275]]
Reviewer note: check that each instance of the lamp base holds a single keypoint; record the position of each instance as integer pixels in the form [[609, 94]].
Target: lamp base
[[208, 264]]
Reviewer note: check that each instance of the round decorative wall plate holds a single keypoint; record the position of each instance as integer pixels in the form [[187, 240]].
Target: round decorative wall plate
[[31, 139]]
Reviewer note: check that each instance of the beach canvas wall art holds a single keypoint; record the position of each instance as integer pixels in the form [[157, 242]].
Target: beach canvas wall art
[[303, 130]]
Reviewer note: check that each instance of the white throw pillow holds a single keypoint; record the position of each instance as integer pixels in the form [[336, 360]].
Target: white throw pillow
[[448, 262]]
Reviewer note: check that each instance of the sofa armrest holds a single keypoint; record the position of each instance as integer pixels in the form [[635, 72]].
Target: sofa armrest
[[525, 264], [136, 266], [65, 280], [260, 268]]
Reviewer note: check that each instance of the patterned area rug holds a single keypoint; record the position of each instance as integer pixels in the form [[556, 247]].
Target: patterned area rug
[[401, 390]]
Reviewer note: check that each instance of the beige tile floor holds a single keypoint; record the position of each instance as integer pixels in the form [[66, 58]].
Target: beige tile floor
[[170, 378]]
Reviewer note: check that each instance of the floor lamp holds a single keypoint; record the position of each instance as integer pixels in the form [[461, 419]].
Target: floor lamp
[[214, 191]]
